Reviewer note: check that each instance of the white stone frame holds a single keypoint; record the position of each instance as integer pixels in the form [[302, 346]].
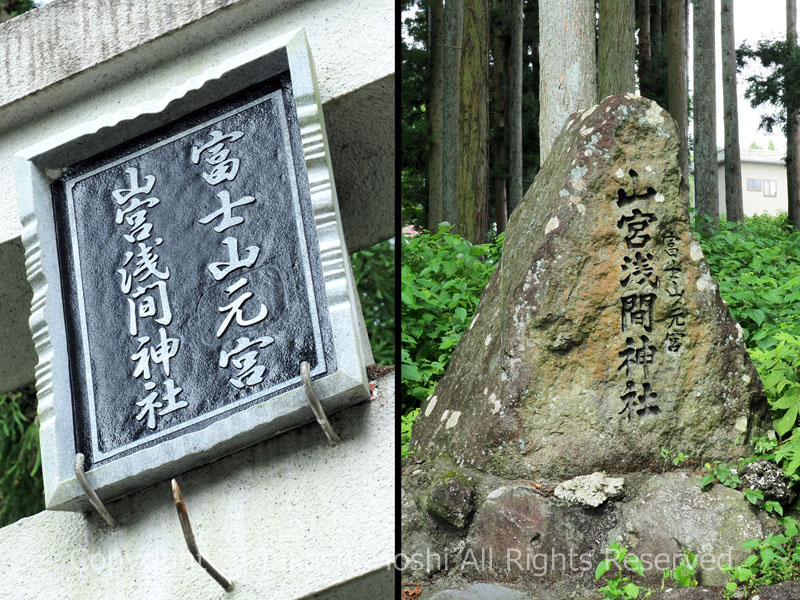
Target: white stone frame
[[38, 166]]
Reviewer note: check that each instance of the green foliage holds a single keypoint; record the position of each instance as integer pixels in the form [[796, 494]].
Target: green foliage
[[14, 8], [684, 574], [757, 266], [373, 269], [406, 423], [442, 278], [620, 585], [772, 560], [21, 487], [669, 456], [722, 473], [777, 85]]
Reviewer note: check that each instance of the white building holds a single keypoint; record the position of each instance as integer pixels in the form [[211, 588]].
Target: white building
[[763, 182]]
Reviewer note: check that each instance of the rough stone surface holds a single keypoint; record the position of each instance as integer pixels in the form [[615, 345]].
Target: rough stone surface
[[590, 490], [522, 531], [670, 513], [452, 499], [694, 593], [788, 590], [768, 477], [553, 397], [287, 518], [480, 591]]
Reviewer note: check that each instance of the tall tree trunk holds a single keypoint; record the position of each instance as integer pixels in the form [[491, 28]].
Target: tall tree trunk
[[452, 23], [616, 56], [792, 129], [677, 98], [567, 65], [734, 209], [474, 123], [658, 54], [643, 49], [706, 187], [515, 106], [435, 116], [497, 117]]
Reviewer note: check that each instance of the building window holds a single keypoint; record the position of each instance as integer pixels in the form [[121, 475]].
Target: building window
[[753, 185], [770, 187]]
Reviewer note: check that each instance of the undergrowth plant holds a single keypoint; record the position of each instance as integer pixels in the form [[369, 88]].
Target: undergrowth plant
[[617, 583], [373, 270], [757, 266], [771, 560], [442, 277], [21, 487]]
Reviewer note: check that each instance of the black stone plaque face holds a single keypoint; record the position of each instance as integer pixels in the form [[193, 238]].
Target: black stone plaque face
[[191, 273]]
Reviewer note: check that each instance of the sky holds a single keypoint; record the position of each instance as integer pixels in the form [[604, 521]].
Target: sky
[[753, 20]]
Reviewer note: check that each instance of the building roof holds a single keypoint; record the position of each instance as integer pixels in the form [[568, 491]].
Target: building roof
[[772, 157]]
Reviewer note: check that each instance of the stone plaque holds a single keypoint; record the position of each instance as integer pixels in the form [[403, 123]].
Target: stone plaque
[[192, 259]]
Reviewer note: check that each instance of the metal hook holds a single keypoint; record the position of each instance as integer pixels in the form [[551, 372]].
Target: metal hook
[[188, 535], [94, 499], [319, 413]]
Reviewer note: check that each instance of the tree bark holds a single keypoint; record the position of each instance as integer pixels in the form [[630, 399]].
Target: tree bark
[[643, 49], [676, 80], [474, 123], [452, 23], [706, 187], [655, 84], [792, 129], [497, 117], [567, 66], [616, 56], [734, 209], [515, 106], [435, 116]]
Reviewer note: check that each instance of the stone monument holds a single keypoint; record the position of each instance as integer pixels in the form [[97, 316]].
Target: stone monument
[[601, 337]]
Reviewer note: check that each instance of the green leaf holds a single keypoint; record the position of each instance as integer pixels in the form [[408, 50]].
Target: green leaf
[[635, 564], [602, 568], [410, 373], [786, 422], [631, 590], [461, 313], [707, 480]]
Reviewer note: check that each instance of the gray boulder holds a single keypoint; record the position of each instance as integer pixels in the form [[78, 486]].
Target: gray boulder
[[670, 514], [788, 590]]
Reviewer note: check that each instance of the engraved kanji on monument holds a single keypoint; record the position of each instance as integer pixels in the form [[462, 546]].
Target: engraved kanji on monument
[[601, 337], [186, 257]]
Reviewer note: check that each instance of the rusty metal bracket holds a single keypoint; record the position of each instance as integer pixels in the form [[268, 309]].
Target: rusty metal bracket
[[94, 499], [313, 400], [188, 535]]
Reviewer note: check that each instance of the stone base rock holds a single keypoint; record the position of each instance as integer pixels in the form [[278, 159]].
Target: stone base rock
[[788, 590], [768, 477], [590, 490], [521, 534], [480, 591]]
